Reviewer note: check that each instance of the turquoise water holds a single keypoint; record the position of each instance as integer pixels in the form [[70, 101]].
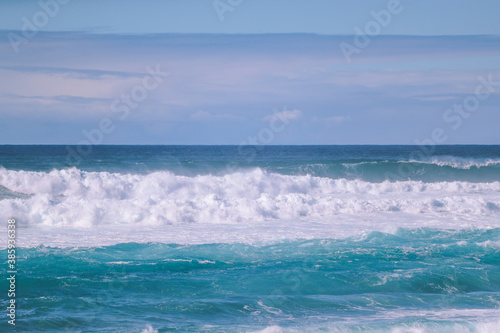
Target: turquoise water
[[296, 239], [378, 281]]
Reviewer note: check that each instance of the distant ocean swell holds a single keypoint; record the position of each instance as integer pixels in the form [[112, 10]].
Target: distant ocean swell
[[72, 197], [368, 163], [437, 170]]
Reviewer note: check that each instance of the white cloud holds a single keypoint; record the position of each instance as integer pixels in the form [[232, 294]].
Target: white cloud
[[286, 114], [337, 119]]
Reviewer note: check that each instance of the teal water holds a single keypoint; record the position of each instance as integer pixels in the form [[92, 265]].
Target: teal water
[[379, 281]]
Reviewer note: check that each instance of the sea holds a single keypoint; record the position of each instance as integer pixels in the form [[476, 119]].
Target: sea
[[263, 239]]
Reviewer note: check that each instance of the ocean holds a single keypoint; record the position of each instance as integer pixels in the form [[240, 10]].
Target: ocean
[[252, 238]]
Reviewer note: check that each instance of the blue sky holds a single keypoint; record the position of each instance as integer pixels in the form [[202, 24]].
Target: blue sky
[[424, 17], [228, 77]]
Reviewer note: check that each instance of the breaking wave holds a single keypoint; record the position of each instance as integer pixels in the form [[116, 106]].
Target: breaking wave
[[72, 197]]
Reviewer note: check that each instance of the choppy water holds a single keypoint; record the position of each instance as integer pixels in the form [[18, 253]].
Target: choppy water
[[275, 238]]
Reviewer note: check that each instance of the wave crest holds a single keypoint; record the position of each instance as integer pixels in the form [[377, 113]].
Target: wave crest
[[72, 197], [458, 162]]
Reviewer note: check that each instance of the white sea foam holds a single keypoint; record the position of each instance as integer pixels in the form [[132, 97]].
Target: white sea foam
[[149, 329], [477, 324], [271, 329], [75, 199]]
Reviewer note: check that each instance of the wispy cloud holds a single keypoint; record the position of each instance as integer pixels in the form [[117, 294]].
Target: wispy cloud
[[337, 119], [73, 72], [202, 115], [286, 114]]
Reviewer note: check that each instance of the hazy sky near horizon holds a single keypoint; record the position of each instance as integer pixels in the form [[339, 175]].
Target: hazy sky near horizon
[[332, 17], [422, 70]]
